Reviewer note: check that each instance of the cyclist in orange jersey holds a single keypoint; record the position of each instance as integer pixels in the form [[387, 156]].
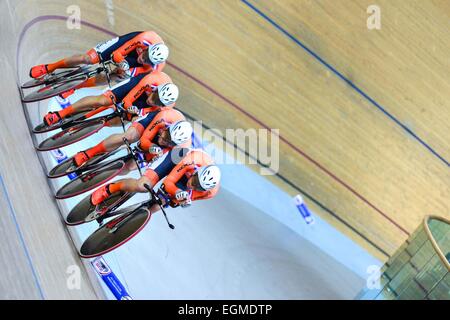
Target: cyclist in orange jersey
[[134, 53], [159, 91], [190, 174], [158, 132]]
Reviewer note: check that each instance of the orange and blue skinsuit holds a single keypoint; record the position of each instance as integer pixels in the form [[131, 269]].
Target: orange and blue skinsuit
[[128, 47], [131, 92], [185, 168], [151, 126], [155, 117], [177, 166]]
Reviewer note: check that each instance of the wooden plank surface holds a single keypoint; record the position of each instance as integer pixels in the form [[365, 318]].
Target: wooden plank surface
[[236, 70], [28, 208]]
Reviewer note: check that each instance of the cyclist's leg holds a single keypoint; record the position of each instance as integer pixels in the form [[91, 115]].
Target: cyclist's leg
[[151, 177], [73, 61], [86, 103], [130, 185], [101, 52], [98, 80], [124, 185], [69, 62], [115, 122], [143, 181], [109, 144], [114, 141], [117, 93], [91, 82], [103, 193], [129, 166], [155, 208], [93, 56]]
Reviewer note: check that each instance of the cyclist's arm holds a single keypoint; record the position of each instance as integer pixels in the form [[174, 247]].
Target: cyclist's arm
[[157, 172], [142, 40], [137, 91], [119, 54], [141, 70], [203, 195], [161, 120], [150, 133], [176, 174]]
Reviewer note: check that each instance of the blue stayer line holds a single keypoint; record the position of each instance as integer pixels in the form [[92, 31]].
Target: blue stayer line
[[340, 75], [19, 232]]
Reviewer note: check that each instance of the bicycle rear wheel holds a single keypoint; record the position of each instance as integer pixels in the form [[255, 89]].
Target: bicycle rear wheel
[[54, 89], [85, 212], [67, 166], [71, 135], [115, 233], [42, 127], [51, 78], [90, 180]]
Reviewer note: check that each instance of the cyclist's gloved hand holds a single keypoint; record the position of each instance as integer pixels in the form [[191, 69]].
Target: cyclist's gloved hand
[[181, 195], [155, 150], [133, 110], [186, 203], [124, 65], [123, 70]]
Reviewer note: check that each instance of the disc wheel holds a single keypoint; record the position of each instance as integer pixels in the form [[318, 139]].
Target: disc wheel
[[67, 166], [115, 233], [54, 89], [51, 78], [71, 135], [42, 127], [90, 180], [85, 211]]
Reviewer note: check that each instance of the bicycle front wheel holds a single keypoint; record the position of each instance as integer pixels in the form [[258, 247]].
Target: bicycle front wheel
[[51, 78], [90, 180], [42, 127], [67, 166], [115, 233], [52, 90], [71, 135], [85, 212]]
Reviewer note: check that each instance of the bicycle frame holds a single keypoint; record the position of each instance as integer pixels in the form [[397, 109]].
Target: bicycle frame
[[79, 124], [55, 84], [154, 197]]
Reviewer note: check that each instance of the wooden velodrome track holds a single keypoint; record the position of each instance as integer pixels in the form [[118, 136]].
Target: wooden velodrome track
[[363, 115]]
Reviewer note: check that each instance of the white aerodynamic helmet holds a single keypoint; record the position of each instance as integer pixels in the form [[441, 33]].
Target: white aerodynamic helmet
[[180, 132], [168, 93], [209, 176], [158, 53]]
